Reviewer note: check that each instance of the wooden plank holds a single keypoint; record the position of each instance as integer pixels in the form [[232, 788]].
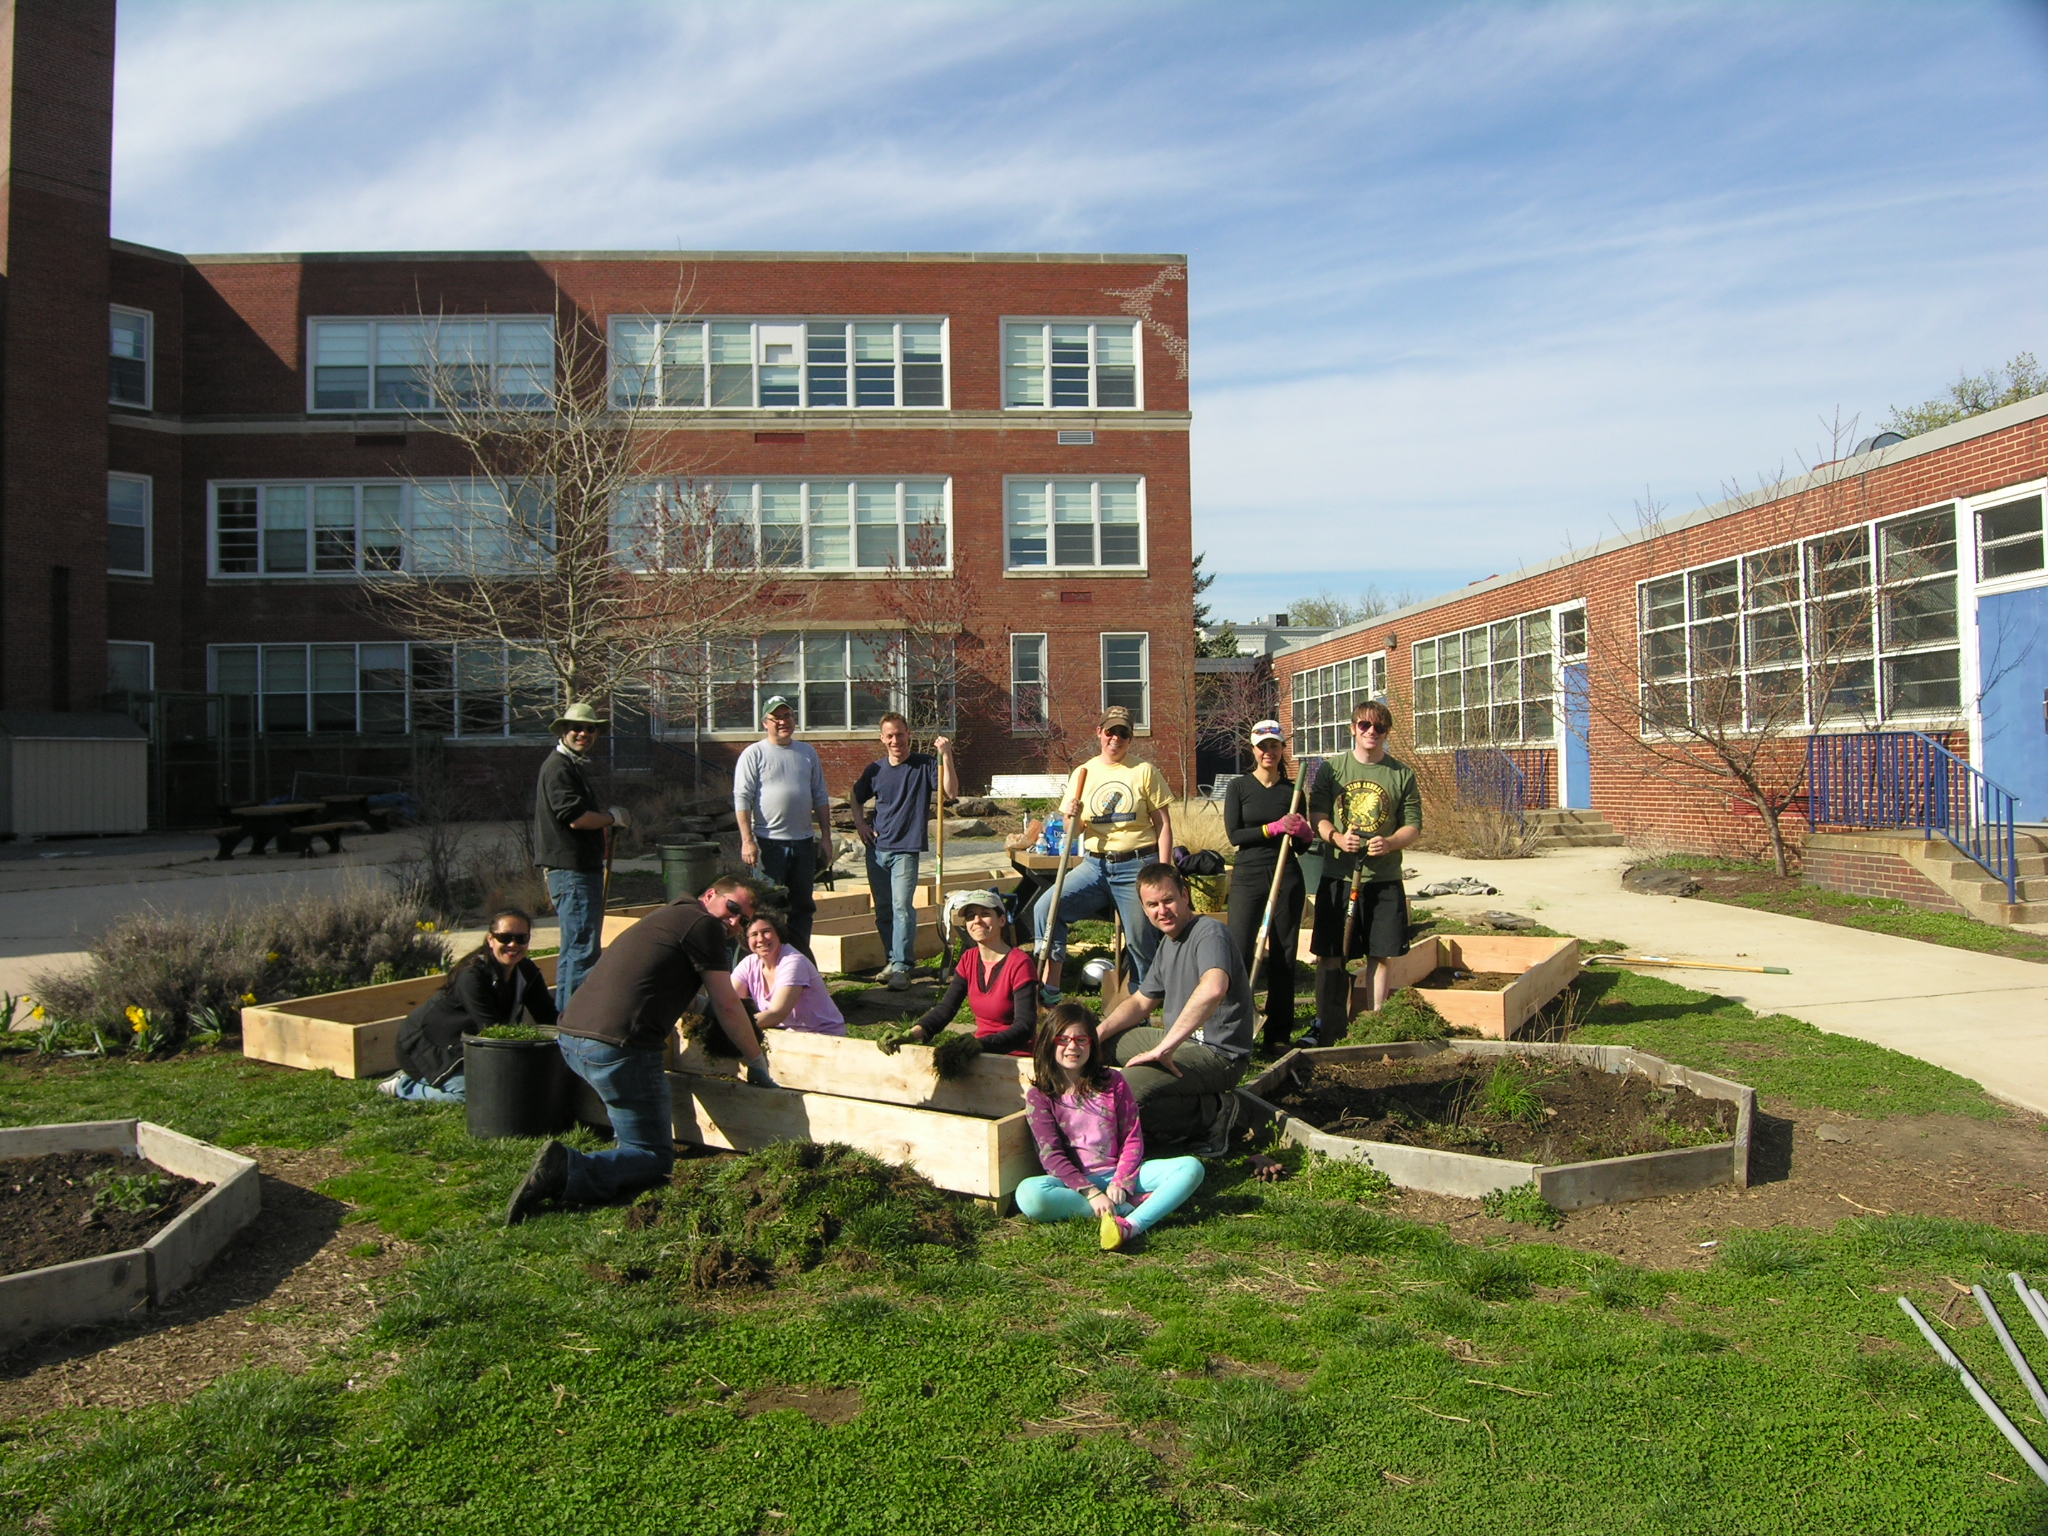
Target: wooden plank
[[851, 943], [69, 1136], [991, 1087], [1546, 965], [962, 1153]]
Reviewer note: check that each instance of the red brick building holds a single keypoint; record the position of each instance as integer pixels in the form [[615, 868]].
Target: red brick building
[[202, 507], [1922, 557]]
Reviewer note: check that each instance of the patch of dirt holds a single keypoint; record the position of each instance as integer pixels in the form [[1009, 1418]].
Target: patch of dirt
[[1570, 1114], [821, 1405], [284, 1292], [1991, 1171], [66, 1206], [1445, 979]]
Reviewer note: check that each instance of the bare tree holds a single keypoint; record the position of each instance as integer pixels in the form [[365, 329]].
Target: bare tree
[[1230, 700], [582, 545], [946, 668], [1327, 610], [1729, 663]]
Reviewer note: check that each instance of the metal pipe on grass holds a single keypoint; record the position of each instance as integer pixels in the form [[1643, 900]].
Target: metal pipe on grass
[[2012, 1350], [2030, 1298], [1992, 1411]]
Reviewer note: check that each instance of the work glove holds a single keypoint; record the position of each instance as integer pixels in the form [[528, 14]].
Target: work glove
[[953, 1053], [895, 1038], [622, 818], [757, 1072], [1293, 824]]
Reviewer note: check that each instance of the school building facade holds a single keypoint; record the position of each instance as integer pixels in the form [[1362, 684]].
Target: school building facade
[[210, 461], [1901, 592]]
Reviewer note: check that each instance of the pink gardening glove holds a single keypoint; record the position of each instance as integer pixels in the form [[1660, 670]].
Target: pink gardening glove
[[1293, 824]]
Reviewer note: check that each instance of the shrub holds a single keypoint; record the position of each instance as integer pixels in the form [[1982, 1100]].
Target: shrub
[[1522, 1204], [1508, 1096], [1329, 1178], [178, 967]]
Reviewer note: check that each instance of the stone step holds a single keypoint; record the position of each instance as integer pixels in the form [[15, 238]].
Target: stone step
[[2004, 915], [1551, 814], [1581, 840]]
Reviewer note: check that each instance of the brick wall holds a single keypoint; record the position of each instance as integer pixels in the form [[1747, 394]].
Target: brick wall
[[1859, 873]]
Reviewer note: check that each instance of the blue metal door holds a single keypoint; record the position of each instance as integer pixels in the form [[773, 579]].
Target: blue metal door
[[1577, 788], [2012, 655]]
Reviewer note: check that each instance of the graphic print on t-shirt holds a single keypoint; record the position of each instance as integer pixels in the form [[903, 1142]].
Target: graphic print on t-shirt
[[1365, 809], [1111, 805]]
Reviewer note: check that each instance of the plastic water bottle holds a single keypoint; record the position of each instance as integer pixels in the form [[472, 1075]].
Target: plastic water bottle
[[1055, 829]]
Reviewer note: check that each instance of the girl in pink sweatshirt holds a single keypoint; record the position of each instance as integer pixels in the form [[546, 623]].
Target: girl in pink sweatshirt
[[1085, 1121]]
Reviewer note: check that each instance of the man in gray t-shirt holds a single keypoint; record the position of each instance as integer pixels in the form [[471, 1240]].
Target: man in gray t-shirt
[[778, 789], [1185, 1075]]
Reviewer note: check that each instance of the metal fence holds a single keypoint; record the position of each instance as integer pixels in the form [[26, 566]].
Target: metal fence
[[1908, 780], [1490, 779]]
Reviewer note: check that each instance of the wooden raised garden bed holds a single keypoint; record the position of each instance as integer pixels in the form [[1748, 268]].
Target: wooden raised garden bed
[[967, 1135], [109, 1287], [1567, 1186], [1533, 970]]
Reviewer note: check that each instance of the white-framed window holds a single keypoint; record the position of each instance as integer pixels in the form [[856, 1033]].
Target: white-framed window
[[1322, 698], [387, 688], [1127, 675], [1071, 365], [131, 357], [1074, 524], [128, 525], [1028, 678], [362, 365], [798, 525], [2009, 538], [670, 363], [1857, 624], [839, 680], [301, 529], [131, 666], [1571, 634], [1491, 685]]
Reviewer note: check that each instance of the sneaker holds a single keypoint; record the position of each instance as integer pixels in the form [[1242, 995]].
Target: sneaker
[[390, 1084], [545, 1180], [1115, 1233], [898, 978], [1217, 1142]]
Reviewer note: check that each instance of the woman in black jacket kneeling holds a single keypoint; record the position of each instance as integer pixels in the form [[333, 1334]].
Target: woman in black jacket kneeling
[[490, 985]]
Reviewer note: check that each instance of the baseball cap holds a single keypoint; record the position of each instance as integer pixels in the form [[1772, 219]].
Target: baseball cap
[[1116, 714], [778, 701], [1267, 730]]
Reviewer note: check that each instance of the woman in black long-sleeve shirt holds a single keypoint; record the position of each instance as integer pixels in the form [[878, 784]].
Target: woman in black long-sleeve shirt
[[1258, 816], [494, 984]]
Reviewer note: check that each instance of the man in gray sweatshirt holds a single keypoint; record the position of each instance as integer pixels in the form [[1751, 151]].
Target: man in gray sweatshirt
[[778, 788]]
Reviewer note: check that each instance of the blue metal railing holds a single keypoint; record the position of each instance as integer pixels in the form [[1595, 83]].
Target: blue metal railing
[[1908, 779], [1488, 777]]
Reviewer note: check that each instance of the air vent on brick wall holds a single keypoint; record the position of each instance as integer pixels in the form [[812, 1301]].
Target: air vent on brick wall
[[778, 437], [1077, 439], [380, 439], [1077, 597]]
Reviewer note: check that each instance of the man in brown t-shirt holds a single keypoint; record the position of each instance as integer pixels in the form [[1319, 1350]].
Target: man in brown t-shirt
[[616, 1031]]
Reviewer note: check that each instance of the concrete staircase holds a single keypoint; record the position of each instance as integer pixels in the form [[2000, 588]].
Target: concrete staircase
[[1963, 878], [1555, 828]]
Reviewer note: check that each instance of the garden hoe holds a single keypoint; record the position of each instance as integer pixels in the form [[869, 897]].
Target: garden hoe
[[1068, 838], [1273, 891], [939, 885]]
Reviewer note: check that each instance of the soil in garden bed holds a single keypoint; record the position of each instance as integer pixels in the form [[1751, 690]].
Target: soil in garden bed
[[1445, 979], [1540, 1112], [66, 1206]]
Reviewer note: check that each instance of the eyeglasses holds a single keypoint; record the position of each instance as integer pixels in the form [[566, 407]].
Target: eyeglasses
[[511, 938], [1118, 731], [1371, 728], [978, 915], [1061, 1042]]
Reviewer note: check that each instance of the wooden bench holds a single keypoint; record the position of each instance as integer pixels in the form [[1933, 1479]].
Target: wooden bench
[[299, 839], [229, 839]]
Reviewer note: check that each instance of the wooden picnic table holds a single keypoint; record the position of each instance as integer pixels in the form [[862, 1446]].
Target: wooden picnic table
[[261, 823], [356, 807]]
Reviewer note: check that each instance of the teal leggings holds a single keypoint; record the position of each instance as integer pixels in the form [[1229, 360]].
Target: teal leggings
[[1165, 1181]]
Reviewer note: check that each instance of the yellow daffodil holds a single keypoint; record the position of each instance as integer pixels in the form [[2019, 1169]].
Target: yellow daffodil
[[272, 957], [248, 997], [424, 927], [39, 1012], [137, 1017]]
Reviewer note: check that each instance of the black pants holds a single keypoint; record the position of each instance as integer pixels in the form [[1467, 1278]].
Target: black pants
[[794, 866], [1248, 890]]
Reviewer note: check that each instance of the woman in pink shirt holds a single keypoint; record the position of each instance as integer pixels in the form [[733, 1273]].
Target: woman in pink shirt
[[1085, 1122], [786, 989]]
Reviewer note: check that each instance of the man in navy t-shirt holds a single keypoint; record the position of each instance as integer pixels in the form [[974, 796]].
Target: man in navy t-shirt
[[900, 784]]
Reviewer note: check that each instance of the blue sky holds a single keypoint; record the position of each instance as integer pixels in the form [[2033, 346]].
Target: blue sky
[[1467, 283]]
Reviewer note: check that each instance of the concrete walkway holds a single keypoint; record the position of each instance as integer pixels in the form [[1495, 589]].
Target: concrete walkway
[[1983, 1016]]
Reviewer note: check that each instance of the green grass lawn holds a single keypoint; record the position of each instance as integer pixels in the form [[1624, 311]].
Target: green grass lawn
[[1272, 1361]]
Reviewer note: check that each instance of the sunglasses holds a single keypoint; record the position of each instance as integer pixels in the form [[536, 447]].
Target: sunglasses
[[1371, 728], [734, 909], [511, 938], [1117, 730], [1268, 745]]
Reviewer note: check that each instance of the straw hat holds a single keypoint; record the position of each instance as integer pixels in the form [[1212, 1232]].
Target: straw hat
[[580, 713]]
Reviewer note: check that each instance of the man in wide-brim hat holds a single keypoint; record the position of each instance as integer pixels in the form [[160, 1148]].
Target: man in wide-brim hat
[[569, 832]]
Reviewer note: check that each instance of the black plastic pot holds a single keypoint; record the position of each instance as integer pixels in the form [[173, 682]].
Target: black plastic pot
[[688, 865], [515, 1087]]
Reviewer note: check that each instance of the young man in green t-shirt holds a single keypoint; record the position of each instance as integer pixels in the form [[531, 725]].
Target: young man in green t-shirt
[[1367, 807]]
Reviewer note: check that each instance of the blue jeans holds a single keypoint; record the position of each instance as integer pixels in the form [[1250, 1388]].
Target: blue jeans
[[578, 896], [794, 866], [892, 877], [635, 1092], [1094, 886], [1165, 1181], [424, 1092]]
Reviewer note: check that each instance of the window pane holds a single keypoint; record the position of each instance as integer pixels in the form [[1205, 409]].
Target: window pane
[[284, 528], [1024, 365], [1425, 659], [334, 528], [1840, 562], [782, 523], [874, 384], [128, 667], [235, 528], [1773, 577], [380, 678], [875, 520], [1123, 657], [1774, 638], [341, 367], [825, 342], [1536, 635], [831, 546], [1844, 691], [1120, 539], [1930, 681], [1027, 533], [402, 366], [1922, 614], [779, 658], [1073, 513], [1918, 546], [924, 523], [1664, 603], [2010, 538], [383, 544]]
